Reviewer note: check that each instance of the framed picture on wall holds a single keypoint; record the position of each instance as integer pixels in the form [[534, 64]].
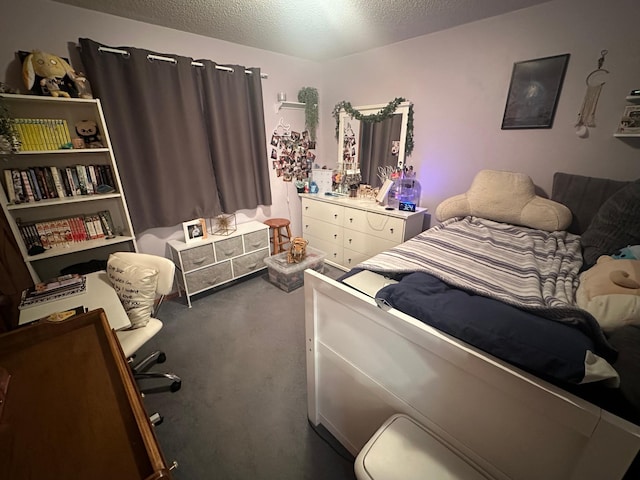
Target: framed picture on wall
[[630, 121], [534, 91], [194, 230]]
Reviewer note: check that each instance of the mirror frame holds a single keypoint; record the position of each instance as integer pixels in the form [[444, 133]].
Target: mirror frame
[[402, 109]]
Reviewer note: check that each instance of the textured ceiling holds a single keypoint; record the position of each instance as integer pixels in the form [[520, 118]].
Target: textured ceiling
[[312, 29]]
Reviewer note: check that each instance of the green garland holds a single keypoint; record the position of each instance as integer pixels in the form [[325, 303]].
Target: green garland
[[309, 96], [383, 114]]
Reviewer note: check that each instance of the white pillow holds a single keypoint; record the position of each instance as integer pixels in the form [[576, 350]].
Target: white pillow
[[136, 288], [507, 197]]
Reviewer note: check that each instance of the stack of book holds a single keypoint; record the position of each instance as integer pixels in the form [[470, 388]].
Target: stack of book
[[62, 232], [54, 289], [43, 133], [41, 183]]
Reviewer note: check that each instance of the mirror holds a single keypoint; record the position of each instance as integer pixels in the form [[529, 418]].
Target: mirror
[[365, 146]]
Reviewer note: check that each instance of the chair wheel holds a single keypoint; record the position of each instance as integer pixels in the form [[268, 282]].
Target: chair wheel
[[175, 386], [161, 358]]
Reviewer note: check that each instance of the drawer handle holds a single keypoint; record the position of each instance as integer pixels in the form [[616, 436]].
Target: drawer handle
[[351, 220], [335, 235], [335, 215], [252, 266], [350, 241], [213, 281], [198, 261], [228, 252], [255, 245], [306, 208], [391, 229], [348, 260]]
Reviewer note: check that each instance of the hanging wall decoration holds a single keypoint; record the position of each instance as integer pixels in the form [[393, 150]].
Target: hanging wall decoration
[[383, 114], [587, 114], [291, 153]]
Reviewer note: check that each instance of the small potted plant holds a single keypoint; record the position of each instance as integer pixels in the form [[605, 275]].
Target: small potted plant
[[9, 136]]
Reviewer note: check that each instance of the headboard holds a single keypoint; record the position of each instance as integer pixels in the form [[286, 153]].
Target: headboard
[[583, 195]]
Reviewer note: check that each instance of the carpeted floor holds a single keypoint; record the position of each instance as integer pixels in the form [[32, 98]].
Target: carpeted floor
[[241, 412]]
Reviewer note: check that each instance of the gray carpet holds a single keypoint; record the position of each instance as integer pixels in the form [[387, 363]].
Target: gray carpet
[[241, 412]]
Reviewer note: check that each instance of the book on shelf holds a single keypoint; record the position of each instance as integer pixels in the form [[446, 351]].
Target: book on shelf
[[26, 185], [53, 289], [57, 182], [42, 133], [11, 192]]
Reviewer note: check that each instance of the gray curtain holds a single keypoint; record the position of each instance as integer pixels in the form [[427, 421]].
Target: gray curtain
[[234, 116], [161, 130], [375, 147]]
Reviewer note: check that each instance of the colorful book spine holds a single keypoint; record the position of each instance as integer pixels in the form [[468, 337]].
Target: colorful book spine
[[26, 185], [57, 182], [17, 186]]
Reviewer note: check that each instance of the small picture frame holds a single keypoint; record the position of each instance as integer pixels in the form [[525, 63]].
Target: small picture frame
[[630, 121], [194, 230]]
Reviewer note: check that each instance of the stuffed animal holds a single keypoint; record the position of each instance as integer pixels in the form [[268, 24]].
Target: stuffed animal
[[610, 291], [297, 250], [88, 131], [631, 252], [51, 70]]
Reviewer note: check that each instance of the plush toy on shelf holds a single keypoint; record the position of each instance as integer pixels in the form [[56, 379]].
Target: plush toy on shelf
[[610, 291], [47, 74], [88, 131]]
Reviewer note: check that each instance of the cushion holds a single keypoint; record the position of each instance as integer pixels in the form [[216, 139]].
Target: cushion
[[136, 288], [506, 197], [583, 195], [615, 225]]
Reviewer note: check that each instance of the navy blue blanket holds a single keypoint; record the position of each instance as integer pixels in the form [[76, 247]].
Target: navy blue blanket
[[549, 349]]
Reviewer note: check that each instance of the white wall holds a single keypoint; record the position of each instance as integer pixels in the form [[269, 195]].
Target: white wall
[[458, 81], [53, 27]]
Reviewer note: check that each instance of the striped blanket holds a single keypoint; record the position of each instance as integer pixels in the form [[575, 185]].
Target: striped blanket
[[533, 270]]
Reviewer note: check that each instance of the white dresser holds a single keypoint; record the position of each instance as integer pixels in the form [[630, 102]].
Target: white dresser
[[219, 259], [350, 230]]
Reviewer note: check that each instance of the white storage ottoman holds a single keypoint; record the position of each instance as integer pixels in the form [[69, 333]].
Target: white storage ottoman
[[402, 449]]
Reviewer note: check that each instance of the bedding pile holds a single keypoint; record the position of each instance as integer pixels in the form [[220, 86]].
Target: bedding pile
[[533, 271]]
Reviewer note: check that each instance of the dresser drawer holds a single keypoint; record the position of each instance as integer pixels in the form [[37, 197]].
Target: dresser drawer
[[256, 240], [353, 258], [228, 248], [379, 225], [332, 250], [322, 230], [327, 212], [249, 263], [197, 257], [208, 277], [366, 244]]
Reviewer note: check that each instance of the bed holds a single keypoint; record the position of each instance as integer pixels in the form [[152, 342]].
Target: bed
[[367, 359]]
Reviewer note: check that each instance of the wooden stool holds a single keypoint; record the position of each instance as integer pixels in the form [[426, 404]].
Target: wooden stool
[[280, 233]]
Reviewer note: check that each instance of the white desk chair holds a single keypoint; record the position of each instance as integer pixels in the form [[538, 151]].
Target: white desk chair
[[132, 340]]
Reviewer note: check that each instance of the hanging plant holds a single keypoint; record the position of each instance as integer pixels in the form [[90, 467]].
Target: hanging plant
[[383, 114], [309, 96], [9, 135]]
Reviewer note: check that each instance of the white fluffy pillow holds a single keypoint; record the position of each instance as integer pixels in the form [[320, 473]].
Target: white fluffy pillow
[[136, 288], [506, 197]]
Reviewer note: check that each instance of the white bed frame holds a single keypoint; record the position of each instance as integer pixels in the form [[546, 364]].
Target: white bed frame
[[365, 364]]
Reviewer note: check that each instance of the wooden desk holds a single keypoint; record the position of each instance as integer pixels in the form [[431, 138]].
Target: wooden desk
[[72, 409], [99, 294]]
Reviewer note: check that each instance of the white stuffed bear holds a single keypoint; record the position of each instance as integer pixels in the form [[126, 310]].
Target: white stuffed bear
[[610, 291]]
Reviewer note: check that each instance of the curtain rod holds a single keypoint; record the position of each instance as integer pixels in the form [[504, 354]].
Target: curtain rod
[[173, 60]]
